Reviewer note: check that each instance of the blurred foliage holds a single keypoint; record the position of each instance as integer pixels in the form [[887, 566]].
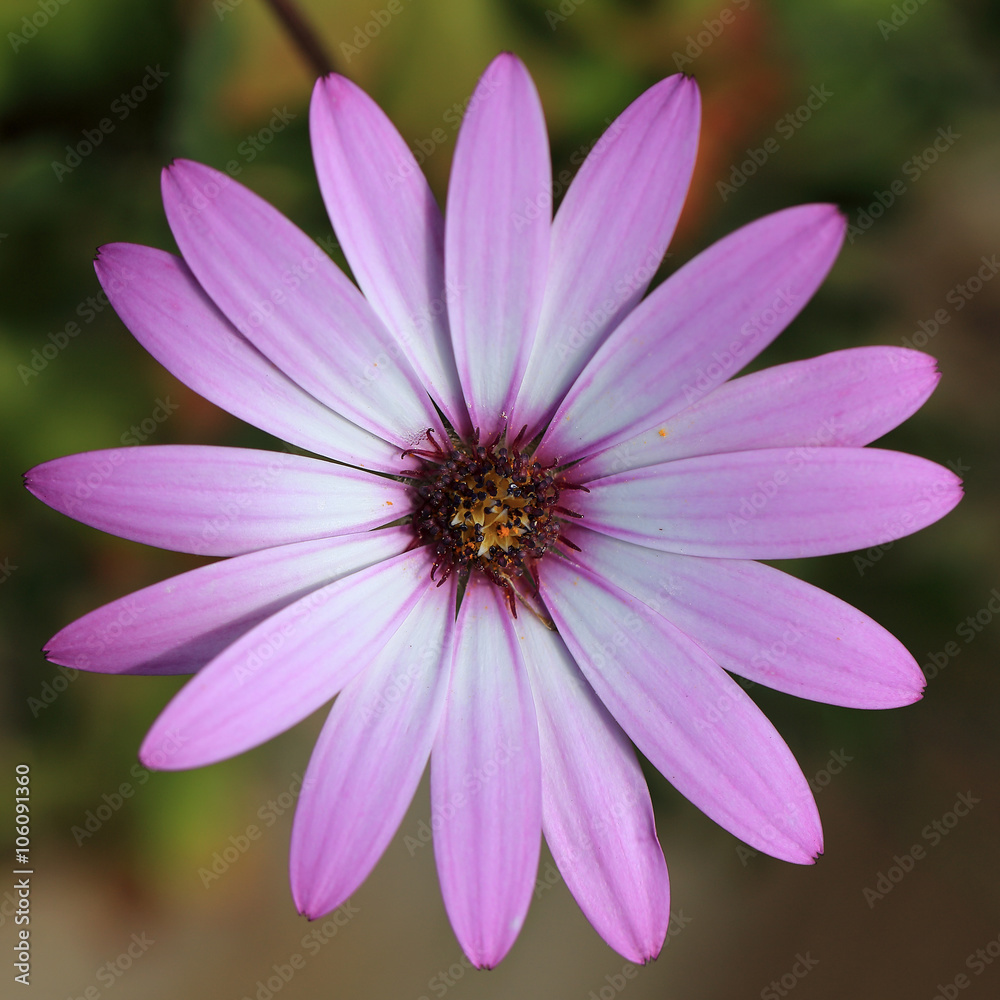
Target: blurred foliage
[[227, 67]]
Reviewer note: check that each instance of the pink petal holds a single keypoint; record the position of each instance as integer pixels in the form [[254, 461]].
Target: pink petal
[[215, 501], [609, 237], [596, 814], [775, 503], [178, 625], [485, 782], [390, 228], [285, 295], [496, 257], [763, 624], [370, 756], [714, 315], [286, 667], [681, 709], [169, 313], [846, 398]]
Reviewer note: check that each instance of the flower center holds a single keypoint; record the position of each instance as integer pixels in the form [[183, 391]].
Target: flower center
[[488, 508]]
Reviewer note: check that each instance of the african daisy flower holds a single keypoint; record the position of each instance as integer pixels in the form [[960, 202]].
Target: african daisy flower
[[529, 540]]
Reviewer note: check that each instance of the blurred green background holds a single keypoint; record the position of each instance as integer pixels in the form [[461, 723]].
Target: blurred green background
[[894, 78]]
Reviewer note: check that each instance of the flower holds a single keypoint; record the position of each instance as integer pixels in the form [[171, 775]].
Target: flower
[[530, 539]]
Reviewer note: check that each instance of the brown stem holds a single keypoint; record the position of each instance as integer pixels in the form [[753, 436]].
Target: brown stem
[[303, 35]]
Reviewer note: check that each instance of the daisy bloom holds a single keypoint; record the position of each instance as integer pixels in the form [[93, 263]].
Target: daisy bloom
[[524, 537]]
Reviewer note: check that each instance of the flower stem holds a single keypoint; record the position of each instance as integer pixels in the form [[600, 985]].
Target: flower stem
[[303, 35]]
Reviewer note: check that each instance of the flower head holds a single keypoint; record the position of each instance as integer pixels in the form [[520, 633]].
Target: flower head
[[529, 539]]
